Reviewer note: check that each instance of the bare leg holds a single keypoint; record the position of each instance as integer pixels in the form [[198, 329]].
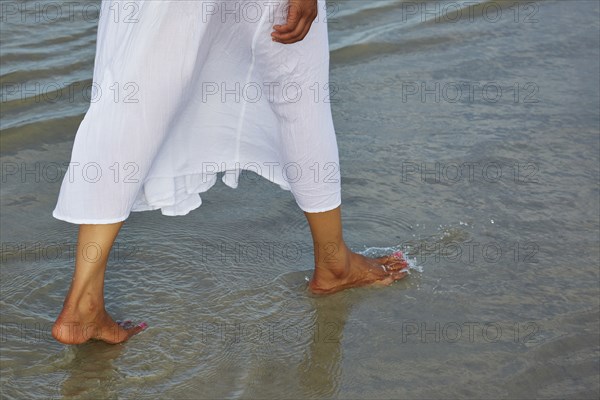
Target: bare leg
[[337, 267], [83, 316]]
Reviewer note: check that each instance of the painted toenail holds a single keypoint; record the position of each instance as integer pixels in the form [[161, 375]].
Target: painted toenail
[[398, 254]]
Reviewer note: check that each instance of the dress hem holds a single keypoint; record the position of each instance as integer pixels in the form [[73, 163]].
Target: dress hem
[[320, 210], [83, 221], [190, 200]]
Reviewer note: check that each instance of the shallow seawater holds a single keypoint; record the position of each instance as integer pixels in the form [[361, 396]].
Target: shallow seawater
[[470, 141]]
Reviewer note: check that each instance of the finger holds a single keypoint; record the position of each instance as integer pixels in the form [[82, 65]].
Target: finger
[[288, 27], [304, 32], [293, 18], [292, 37]]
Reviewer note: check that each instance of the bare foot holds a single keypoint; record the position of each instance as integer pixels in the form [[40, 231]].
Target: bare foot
[[74, 327], [358, 270]]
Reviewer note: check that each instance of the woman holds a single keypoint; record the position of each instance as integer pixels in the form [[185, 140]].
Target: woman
[[186, 89]]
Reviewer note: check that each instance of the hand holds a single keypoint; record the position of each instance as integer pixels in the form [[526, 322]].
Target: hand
[[301, 14]]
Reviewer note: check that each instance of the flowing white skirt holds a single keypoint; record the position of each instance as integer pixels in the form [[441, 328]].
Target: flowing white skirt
[[184, 89]]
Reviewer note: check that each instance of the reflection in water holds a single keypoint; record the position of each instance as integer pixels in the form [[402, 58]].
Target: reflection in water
[[320, 370], [90, 370]]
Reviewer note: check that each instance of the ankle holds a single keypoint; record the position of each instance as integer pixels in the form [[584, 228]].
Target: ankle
[[334, 265], [83, 307]]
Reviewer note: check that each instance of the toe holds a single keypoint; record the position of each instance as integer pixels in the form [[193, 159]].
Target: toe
[[136, 329], [394, 261], [397, 264], [139, 327], [383, 259], [387, 281], [125, 324], [396, 276]]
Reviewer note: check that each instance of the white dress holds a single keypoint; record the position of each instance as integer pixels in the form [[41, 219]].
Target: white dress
[[184, 89]]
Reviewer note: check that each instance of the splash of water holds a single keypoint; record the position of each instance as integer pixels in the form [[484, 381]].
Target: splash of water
[[382, 251]]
